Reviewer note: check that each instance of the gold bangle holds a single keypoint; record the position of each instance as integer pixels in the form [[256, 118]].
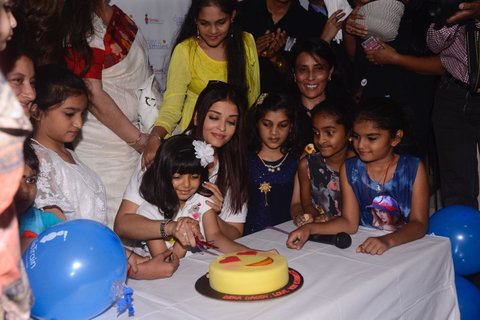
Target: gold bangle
[[131, 143]]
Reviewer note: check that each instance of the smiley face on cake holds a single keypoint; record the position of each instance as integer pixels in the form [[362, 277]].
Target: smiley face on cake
[[248, 272]]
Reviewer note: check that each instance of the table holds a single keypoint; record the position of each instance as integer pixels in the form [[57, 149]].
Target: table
[[412, 281]]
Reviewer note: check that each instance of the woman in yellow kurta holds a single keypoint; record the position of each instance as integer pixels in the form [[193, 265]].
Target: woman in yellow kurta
[[208, 41]]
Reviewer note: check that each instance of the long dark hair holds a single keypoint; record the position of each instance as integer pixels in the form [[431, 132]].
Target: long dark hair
[[272, 102], [14, 51], [175, 155], [77, 27], [235, 49], [231, 156], [38, 22]]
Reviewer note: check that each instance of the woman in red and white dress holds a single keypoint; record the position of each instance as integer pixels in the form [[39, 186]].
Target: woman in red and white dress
[[107, 49]]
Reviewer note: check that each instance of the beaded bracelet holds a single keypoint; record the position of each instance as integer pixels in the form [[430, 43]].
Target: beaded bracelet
[[131, 143], [163, 231]]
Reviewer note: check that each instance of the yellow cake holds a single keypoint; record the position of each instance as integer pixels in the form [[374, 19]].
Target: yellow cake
[[248, 272]]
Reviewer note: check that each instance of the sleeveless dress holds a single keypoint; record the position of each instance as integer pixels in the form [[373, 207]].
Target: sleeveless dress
[[270, 193], [120, 60], [394, 197], [325, 185]]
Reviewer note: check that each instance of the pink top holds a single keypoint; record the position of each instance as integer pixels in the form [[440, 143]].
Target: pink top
[[449, 43]]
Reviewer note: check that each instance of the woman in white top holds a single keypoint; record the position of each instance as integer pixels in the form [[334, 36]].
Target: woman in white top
[[219, 122]]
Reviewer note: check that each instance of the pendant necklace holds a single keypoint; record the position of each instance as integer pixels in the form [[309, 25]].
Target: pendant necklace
[[379, 186], [276, 167], [265, 187]]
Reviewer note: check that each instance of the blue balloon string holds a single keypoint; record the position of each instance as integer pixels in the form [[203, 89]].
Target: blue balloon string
[[126, 302]]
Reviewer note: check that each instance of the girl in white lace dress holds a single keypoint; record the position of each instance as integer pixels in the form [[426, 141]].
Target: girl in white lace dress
[[66, 186]]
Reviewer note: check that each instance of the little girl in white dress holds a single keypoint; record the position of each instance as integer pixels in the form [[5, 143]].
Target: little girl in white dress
[[171, 189], [66, 186]]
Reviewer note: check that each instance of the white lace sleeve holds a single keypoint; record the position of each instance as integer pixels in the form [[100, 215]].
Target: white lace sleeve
[[49, 191]]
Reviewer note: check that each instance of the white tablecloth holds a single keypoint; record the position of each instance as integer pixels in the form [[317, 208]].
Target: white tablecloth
[[412, 281]]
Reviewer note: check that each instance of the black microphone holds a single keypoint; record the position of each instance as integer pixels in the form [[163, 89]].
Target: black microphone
[[340, 240]]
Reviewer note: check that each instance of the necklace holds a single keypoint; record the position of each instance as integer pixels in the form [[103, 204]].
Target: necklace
[[276, 167], [265, 187], [379, 186]]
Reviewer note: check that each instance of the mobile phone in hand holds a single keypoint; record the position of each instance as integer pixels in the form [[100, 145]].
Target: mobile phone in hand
[[371, 44]]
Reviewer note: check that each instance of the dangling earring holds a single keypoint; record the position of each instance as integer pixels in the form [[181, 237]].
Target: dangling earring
[[231, 29], [198, 34]]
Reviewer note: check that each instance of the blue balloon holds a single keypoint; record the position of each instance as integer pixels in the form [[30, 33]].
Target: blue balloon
[[77, 270], [462, 225], [468, 298]]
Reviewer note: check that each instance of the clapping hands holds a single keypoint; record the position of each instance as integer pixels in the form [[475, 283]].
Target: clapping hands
[[270, 43]]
